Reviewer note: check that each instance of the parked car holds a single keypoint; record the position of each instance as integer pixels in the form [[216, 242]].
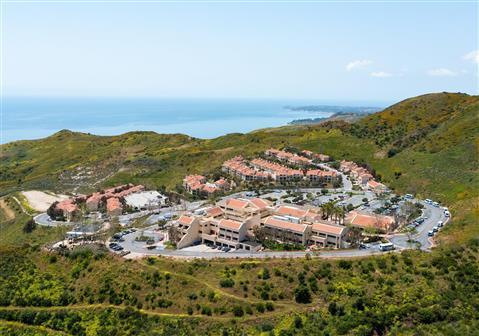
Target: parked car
[[428, 201], [435, 229], [440, 223], [447, 214], [430, 233], [408, 196], [435, 204]]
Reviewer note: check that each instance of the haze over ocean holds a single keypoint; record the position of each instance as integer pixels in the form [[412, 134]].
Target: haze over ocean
[[36, 117]]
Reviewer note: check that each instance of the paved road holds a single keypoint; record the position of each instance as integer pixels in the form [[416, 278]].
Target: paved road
[[434, 215], [139, 248], [45, 220]]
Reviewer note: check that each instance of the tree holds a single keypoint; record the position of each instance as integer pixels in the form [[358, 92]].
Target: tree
[[302, 294], [29, 226], [174, 234], [410, 232], [260, 233]]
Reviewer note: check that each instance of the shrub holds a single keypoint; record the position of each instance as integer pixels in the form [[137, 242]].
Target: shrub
[[29, 226], [302, 294], [227, 283], [260, 307], [238, 311]]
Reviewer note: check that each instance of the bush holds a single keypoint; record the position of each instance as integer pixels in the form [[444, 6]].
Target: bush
[[238, 311], [260, 307], [29, 226], [345, 264], [227, 283], [302, 294]]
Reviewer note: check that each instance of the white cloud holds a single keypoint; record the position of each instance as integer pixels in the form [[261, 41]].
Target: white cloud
[[472, 56], [358, 64], [381, 74], [441, 72]]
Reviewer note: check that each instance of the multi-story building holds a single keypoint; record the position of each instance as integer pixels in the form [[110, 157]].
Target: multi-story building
[[317, 176], [113, 207], [69, 209], [368, 221], [281, 229], [325, 234], [278, 172], [228, 224], [290, 224]]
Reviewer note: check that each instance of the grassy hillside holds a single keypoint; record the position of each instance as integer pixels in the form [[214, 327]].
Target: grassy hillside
[[92, 293]]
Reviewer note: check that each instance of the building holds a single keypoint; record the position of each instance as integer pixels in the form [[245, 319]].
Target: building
[[197, 185], [315, 156], [288, 157], [278, 172], [237, 167], [376, 187], [229, 223], [194, 183], [290, 224], [282, 229], [368, 221], [189, 228], [68, 208], [325, 234], [113, 207], [317, 176]]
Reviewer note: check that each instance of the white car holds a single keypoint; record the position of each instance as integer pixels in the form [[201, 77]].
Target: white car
[[447, 214], [435, 229], [435, 204], [440, 223], [428, 201]]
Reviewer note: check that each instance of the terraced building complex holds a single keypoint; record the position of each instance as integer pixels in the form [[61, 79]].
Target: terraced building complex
[[232, 223]]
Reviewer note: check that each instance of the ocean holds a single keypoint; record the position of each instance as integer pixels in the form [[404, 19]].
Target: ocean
[[32, 118]]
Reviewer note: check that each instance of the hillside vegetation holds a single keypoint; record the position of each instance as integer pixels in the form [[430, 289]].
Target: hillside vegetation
[[427, 145]]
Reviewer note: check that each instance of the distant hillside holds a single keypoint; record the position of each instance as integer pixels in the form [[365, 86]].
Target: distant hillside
[[425, 145]]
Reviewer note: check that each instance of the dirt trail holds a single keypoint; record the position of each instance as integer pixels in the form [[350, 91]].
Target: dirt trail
[[9, 213]]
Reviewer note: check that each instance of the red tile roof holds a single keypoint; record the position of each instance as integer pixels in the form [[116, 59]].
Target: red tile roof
[[214, 211], [186, 220], [235, 203], [113, 203], [284, 225], [230, 224], [371, 221], [328, 228]]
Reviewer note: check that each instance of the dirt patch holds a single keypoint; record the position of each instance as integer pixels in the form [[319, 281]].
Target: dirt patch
[[9, 213], [380, 154], [41, 201]]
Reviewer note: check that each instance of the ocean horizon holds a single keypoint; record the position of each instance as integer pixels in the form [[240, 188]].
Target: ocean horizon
[[27, 118]]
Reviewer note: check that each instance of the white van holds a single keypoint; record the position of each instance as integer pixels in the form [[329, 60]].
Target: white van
[[386, 247]]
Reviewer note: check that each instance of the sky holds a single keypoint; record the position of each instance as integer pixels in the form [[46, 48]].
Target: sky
[[284, 50]]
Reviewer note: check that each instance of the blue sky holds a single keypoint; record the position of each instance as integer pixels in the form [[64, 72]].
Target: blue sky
[[362, 51]]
